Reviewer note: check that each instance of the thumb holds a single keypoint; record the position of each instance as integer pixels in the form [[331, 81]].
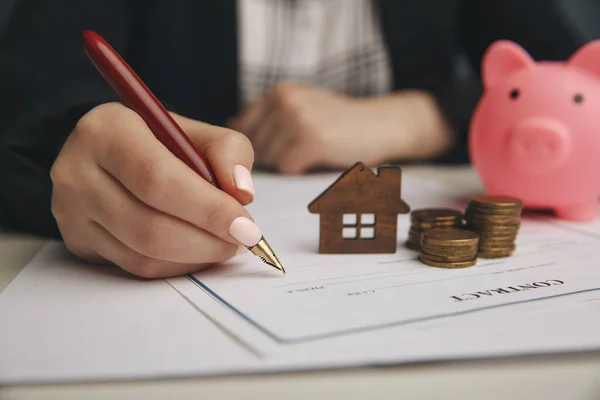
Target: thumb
[[229, 153]]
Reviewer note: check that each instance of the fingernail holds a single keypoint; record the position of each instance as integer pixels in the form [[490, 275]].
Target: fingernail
[[245, 231], [243, 179]]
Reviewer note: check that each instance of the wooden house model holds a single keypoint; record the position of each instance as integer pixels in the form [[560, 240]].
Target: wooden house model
[[359, 211]]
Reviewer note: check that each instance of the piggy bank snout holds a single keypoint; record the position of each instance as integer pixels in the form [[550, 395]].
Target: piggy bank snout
[[539, 145]]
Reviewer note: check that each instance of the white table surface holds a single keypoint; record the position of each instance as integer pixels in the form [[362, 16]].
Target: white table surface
[[572, 377]]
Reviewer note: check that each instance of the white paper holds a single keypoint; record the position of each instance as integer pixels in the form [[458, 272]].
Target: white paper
[[62, 320], [328, 296]]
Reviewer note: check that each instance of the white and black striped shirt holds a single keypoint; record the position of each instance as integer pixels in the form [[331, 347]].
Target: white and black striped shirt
[[333, 44]]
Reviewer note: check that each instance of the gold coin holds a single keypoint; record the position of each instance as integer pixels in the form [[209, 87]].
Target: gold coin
[[489, 212], [434, 248], [496, 201], [501, 219], [479, 214], [441, 249], [492, 211], [492, 228], [416, 234], [463, 255], [495, 254], [496, 244], [411, 245], [435, 215], [437, 224], [450, 237], [491, 248], [414, 242], [496, 239], [415, 231], [449, 258], [449, 265], [486, 235], [499, 235]]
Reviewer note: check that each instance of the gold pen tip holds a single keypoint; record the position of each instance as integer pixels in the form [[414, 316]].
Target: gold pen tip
[[276, 264], [266, 254]]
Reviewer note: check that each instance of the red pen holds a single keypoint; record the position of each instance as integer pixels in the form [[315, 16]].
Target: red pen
[[135, 95]]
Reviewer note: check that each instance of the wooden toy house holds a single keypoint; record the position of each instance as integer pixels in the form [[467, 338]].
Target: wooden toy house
[[359, 211]]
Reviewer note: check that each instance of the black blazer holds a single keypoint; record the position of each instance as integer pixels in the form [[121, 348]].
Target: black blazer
[[186, 51]]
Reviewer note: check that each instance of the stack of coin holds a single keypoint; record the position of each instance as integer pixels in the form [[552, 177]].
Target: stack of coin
[[496, 219], [449, 248], [428, 218]]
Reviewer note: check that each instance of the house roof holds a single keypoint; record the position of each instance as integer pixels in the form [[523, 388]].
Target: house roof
[[360, 190]]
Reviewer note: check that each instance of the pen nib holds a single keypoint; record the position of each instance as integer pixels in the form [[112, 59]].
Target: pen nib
[[266, 254]]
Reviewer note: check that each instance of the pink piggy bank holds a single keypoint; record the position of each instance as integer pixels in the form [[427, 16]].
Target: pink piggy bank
[[535, 133]]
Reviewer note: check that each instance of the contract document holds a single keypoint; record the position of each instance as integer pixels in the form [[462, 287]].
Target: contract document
[[328, 296], [64, 320]]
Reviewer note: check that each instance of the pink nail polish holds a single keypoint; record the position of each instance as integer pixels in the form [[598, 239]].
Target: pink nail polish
[[243, 179], [245, 231]]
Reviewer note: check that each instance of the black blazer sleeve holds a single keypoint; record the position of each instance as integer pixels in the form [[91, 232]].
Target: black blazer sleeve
[[542, 27], [46, 84]]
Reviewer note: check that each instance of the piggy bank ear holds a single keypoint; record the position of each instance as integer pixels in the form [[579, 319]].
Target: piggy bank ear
[[587, 57], [501, 59]]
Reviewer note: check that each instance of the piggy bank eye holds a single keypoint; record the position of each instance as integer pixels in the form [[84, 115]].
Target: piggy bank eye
[[578, 98], [514, 94]]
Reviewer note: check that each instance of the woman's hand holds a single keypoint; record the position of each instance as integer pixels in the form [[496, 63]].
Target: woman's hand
[[120, 196], [294, 128]]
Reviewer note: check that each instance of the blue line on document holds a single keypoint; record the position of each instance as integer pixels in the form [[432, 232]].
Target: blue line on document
[[327, 335]]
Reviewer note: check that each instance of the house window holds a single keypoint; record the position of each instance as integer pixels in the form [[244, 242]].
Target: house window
[[349, 229], [350, 219], [348, 233], [367, 219], [367, 233], [358, 226]]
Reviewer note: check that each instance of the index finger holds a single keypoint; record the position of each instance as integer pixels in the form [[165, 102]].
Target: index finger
[[229, 153], [128, 151]]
